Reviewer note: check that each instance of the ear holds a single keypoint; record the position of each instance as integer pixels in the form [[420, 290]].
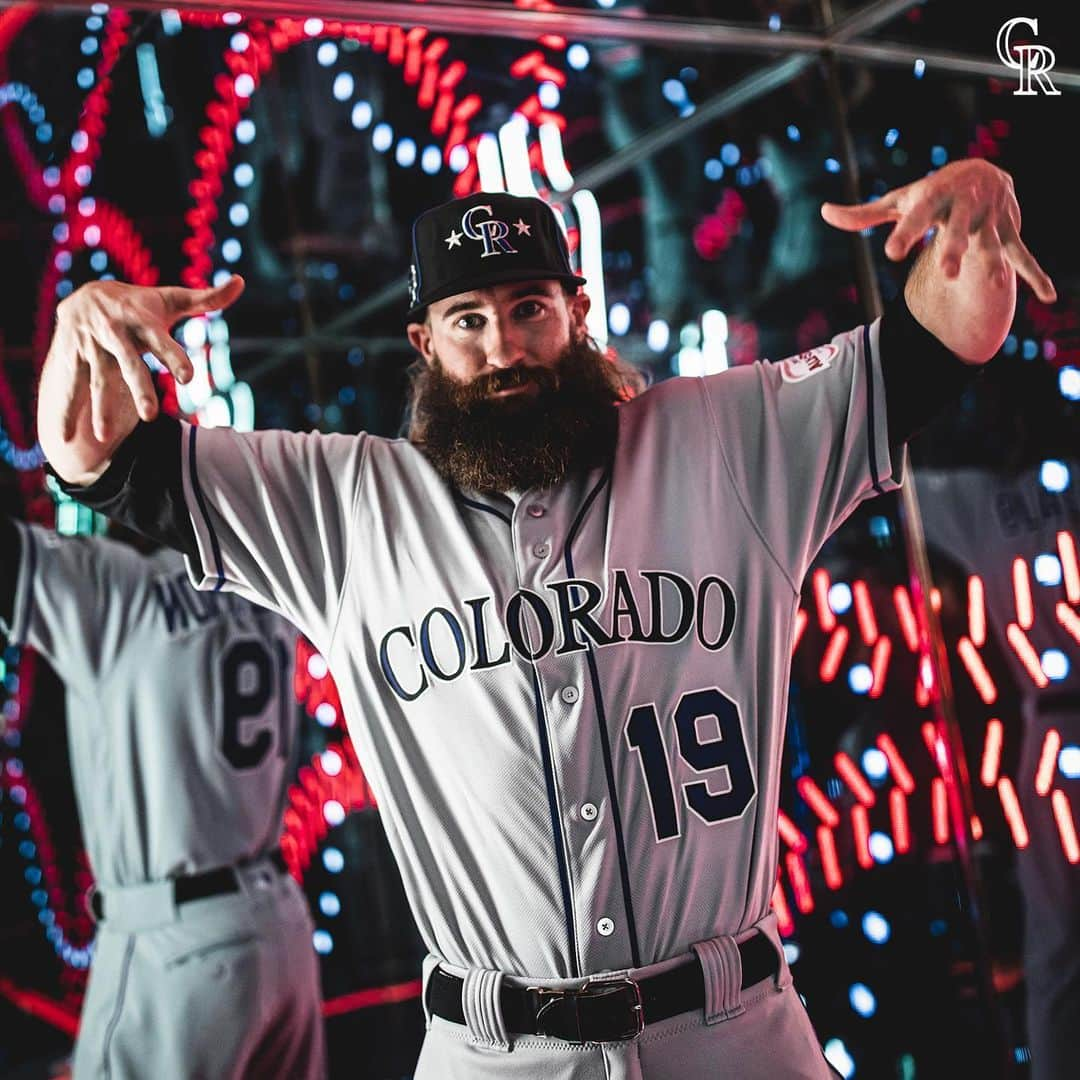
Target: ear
[[420, 339], [579, 307]]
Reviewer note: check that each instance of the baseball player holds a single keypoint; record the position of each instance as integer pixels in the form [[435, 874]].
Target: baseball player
[[182, 733], [559, 620]]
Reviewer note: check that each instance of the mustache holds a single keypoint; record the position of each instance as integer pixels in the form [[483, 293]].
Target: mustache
[[483, 386]]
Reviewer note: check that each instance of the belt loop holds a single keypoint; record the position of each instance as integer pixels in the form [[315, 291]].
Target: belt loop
[[483, 1010], [721, 966], [431, 964]]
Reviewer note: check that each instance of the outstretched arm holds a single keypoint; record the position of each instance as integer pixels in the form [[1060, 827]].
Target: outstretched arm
[[962, 288]]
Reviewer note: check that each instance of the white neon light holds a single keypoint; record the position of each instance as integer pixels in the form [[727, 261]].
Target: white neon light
[[514, 150], [591, 259], [489, 164], [551, 154]]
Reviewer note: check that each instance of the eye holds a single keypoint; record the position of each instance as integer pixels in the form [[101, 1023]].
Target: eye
[[471, 321], [529, 309]]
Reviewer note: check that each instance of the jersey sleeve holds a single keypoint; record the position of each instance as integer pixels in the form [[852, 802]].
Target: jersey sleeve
[[805, 440], [273, 513], [74, 601]]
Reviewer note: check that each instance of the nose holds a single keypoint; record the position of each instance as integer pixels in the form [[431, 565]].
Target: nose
[[503, 345]]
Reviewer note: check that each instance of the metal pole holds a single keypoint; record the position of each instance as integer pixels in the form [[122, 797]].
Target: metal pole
[[952, 762]]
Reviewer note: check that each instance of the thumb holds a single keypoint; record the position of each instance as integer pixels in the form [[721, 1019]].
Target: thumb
[[182, 303]]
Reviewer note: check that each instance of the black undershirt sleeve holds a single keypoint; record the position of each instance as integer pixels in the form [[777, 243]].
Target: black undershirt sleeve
[[10, 556], [922, 377], [143, 486]]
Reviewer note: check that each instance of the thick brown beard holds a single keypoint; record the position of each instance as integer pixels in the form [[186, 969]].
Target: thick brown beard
[[481, 443]]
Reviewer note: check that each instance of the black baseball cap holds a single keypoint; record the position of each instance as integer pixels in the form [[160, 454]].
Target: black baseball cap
[[481, 240]]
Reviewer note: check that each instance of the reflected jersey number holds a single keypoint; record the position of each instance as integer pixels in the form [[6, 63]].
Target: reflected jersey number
[[728, 752], [253, 674]]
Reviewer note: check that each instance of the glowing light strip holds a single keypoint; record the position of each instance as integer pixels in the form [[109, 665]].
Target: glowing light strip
[[991, 755], [864, 611], [591, 258], [854, 779], [976, 827], [514, 149], [790, 834], [1044, 774], [1069, 619], [860, 824], [1069, 568], [373, 996], [1013, 814], [1021, 579], [933, 744], [984, 684], [553, 158], [1027, 655], [825, 614], [815, 798], [801, 619], [784, 921], [830, 861], [879, 665], [901, 773], [834, 653], [800, 883], [940, 810], [904, 612], [898, 815], [489, 162], [1063, 815], [977, 610]]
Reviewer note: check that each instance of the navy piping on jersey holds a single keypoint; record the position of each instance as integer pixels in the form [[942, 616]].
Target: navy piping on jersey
[[214, 546], [605, 742], [484, 506], [871, 432], [556, 825], [31, 572]]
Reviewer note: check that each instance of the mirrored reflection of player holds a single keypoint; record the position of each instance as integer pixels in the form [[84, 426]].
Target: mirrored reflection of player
[[182, 729]]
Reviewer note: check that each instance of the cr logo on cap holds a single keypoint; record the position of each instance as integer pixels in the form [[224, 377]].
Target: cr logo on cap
[[492, 232]]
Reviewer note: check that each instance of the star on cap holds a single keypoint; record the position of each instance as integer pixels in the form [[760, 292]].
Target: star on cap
[[522, 228], [454, 239]]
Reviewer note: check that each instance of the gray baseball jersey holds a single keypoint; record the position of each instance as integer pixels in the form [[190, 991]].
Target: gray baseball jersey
[[569, 702]]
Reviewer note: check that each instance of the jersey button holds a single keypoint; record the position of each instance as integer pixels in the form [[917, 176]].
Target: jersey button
[[589, 811], [569, 694], [542, 551], [605, 927], [536, 510]]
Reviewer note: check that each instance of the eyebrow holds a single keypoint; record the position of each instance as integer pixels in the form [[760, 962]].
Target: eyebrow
[[517, 294]]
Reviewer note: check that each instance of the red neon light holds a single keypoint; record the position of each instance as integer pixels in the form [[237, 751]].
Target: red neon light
[[834, 653], [940, 808], [864, 611], [922, 694], [790, 834], [879, 665], [1063, 815], [991, 755], [976, 827], [825, 614], [929, 734], [815, 798], [1069, 619], [1025, 609], [1027, 654], [935, 599], [904, 612], [830, 862], [784, 922], [898, 815], [901, 773], [860, 825], [1044, 774], [801, 619], [373, 995], [977, 670], [1070, 569], [977, 610], [40, 1006], [854, 779], [1013, 814], [800, 883]]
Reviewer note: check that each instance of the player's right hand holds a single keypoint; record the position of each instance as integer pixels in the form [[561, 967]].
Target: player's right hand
[[102, 331]]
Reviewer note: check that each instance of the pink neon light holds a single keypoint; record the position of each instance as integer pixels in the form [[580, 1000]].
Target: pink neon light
[[860, 825], [864, 612], [1066, 828], [922, 694], [801, 619], [935, 599], [991, 755], [1013, 815], [1069, 568], [879, 665], [854, 779], [784, 922], [372, 996], [1044, 774], [901, 773], [977, 610], [1027, 654], [800, 883], [898, 815], [1025, 609], [790, 834], [826, 615], [830, 862], [940, 809], [976, 827], [1068, 618], [815, 798], [834, 653], [977, 670], [906, 615]]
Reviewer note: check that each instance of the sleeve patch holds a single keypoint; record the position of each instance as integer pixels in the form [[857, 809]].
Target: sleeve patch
[[797, 368]]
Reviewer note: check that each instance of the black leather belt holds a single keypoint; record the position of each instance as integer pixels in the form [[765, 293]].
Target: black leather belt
[[602, 1010], [196, 886]]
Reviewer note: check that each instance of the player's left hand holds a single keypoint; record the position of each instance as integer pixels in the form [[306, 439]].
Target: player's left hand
[[964, 199]]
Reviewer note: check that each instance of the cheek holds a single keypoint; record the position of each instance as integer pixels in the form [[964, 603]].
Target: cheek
[[458, 361]]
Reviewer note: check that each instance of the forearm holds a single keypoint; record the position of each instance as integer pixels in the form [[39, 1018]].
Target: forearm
[[971, 313]]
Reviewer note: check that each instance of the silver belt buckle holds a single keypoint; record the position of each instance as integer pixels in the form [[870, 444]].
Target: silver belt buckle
[[592, 988]]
